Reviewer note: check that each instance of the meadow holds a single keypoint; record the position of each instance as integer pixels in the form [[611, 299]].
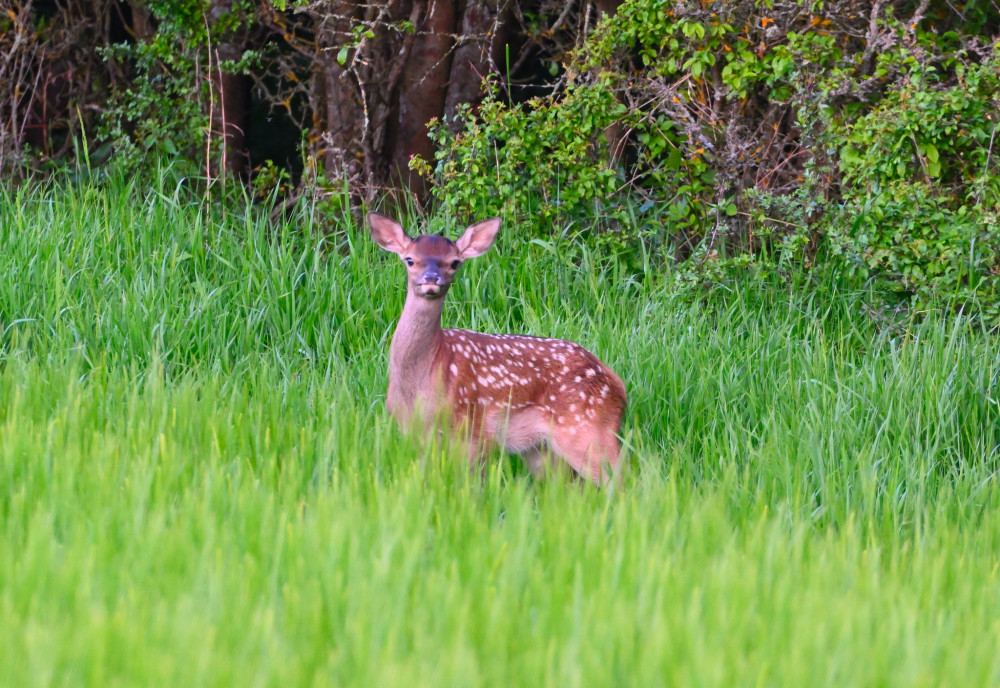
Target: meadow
[[199, 485]]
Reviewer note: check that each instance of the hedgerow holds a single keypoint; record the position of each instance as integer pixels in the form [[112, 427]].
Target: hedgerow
[[740, 133]]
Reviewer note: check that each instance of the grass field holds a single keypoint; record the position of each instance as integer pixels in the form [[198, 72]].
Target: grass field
[[199, 485]]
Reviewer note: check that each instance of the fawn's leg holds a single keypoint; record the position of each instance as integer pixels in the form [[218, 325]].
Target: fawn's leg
[[592, 452], [541, 461], [536, 459], [477, 457]]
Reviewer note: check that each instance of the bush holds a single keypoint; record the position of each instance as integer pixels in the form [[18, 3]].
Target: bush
[[668, 108], [751, 133], [547, 163], [920, 192], [165, 110]]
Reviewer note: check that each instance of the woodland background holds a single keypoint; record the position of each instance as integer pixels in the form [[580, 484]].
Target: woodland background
[[706, 137]]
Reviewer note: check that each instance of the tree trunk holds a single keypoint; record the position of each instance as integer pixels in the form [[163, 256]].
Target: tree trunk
[[422, 93], [339, 113], [473, 58], [608, 7], [229, 114]]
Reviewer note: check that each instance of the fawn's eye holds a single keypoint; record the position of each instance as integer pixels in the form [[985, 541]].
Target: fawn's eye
[[455, 264], [409, 261]]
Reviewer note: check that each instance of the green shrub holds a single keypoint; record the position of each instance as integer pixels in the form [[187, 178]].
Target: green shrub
[[546, 163], [164, 112], [920, 191], [740, 134], [668, 115], [604, 148]]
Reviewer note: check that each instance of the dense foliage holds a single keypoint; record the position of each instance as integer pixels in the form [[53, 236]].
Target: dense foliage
[[736, 133], [920, 188]]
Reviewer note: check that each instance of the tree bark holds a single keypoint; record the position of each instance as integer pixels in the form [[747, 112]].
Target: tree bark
[[608, 7], [339, 112], [422, 93], [473, 57], [229, 114]]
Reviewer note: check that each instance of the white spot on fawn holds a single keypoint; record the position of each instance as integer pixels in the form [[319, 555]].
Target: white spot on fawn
[[453, 368]]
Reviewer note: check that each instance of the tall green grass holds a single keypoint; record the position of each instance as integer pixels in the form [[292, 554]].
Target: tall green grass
[[199, 485]]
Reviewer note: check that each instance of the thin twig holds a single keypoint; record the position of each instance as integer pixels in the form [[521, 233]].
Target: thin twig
[[211, 114]]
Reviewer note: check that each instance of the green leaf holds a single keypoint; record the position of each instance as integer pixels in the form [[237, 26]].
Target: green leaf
[[850, 156]]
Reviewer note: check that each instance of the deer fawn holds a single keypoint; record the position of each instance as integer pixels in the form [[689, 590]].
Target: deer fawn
[[527, 394]]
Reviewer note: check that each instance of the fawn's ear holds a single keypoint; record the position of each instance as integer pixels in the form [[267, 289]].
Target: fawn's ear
[[388, 233], [478, 238]]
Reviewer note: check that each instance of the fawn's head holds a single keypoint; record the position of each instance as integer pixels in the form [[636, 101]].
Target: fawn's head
[[431, 260]]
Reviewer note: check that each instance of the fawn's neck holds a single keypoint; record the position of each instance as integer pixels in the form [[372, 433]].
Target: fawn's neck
[[415, 345]]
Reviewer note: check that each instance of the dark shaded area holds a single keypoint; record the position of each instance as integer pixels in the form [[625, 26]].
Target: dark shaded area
[[357, 81]]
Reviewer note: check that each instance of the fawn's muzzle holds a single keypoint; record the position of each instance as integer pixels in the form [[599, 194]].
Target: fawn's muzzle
[[432, 275], [431, 283]]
